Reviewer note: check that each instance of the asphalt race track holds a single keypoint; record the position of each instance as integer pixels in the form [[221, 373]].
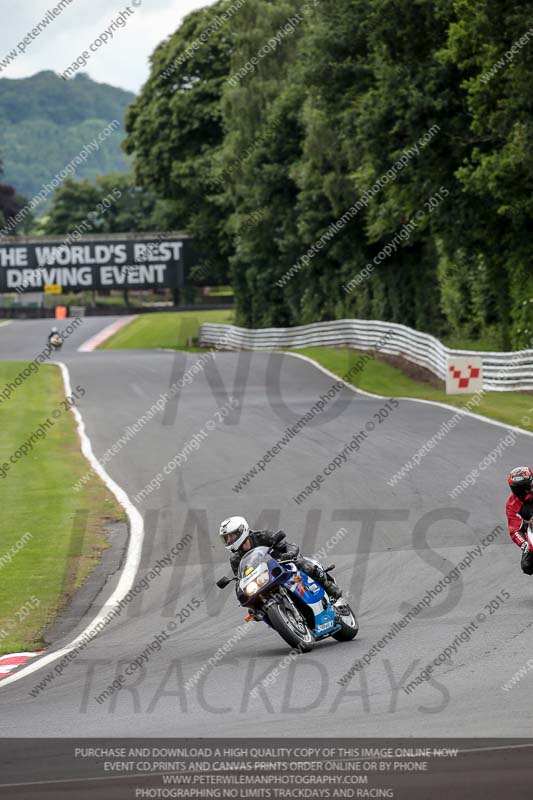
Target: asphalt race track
[[398, 543]]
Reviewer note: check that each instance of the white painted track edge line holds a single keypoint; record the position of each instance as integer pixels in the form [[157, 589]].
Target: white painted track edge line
[[136, 522], [455, 409], [133, 553]]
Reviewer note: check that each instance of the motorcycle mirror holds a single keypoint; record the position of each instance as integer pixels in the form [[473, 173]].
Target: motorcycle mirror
[[223, 582]]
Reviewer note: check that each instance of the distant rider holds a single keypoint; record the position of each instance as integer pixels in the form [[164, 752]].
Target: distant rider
[[54, 338], [239, 539], [519, 509]]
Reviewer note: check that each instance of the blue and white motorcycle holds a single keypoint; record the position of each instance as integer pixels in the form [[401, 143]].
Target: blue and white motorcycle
[[289, 601]]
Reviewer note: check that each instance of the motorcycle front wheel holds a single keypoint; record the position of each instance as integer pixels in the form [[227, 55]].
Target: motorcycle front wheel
[[349, 625], [291, 626]]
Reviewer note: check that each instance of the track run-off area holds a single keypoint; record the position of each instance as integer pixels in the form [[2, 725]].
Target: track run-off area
[[176, 662]]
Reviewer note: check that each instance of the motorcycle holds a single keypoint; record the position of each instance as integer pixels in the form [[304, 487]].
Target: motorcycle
[[56, 341], [289, 601]]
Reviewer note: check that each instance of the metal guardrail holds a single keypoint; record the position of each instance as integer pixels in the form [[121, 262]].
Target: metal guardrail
[[502, 372]]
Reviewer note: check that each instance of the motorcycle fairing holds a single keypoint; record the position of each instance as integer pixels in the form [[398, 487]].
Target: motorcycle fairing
[[297, 582], [315, 598]]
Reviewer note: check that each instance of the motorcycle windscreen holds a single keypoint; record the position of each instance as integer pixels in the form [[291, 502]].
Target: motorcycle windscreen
[[257, 556]]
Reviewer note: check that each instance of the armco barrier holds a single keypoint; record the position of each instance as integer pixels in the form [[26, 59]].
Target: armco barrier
[[503, 372]]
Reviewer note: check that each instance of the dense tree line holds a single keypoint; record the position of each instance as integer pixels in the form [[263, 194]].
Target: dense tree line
[[264, 129]]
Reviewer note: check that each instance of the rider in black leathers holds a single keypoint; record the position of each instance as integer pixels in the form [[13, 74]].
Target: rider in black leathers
[[55, 336], [238, 538]]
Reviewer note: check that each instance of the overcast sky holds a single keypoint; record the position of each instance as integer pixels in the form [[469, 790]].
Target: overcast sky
[[123, 61]]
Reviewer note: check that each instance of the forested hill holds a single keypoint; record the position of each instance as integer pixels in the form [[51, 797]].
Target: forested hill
[[46, 121]]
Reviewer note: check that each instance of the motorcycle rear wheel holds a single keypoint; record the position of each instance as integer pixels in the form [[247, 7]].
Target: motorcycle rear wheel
[[293, 631]]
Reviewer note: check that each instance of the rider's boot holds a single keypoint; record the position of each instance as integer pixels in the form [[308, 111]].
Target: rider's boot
[[333, 589]]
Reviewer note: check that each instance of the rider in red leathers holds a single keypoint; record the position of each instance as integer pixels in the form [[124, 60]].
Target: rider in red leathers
[[519, 509]]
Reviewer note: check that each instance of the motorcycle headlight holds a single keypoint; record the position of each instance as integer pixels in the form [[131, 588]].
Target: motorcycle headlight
[[251, 588], [262, 579]]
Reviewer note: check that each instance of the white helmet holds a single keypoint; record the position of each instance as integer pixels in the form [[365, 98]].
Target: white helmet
[[234, 532]]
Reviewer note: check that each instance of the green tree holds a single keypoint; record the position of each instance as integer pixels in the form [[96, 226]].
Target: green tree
[[263, 135], [332, 74], [488, 41], [409, 93], [175, 127], [261, 141]]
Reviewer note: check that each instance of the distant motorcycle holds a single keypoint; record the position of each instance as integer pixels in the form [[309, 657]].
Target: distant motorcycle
[[56, 341], [289, 601]]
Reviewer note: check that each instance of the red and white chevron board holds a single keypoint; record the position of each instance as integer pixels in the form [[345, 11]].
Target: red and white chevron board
[[11, 662]]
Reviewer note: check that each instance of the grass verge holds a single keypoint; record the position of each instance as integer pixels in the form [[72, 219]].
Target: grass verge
[[172, 330], [63, 530], [378, 377]]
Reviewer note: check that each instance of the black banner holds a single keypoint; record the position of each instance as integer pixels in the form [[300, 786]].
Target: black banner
[[280, 767], [125, 261]]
